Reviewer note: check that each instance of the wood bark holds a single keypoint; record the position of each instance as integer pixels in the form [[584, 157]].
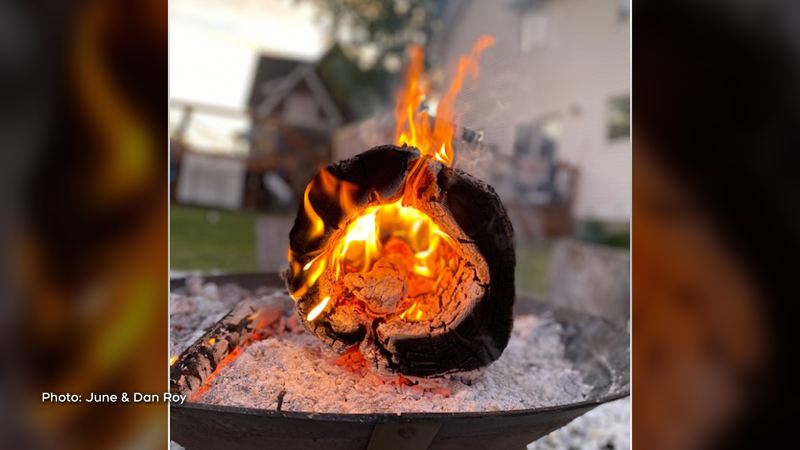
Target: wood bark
[[201, 359]]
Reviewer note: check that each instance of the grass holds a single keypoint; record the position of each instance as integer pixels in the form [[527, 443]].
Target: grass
[[229, 244], [533, 265], [198, 242]]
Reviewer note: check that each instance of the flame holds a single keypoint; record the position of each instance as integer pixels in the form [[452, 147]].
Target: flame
[[366, 236], [318, 309], [317, 225], [414, 126], [398, 228], [173, 359]]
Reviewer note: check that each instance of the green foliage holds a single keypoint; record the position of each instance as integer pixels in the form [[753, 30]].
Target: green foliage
[[384, 26], [356, 90], [205, 239], [597, 232]]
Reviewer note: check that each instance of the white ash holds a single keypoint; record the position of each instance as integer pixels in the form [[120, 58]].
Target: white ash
[[198, 306], [531, 373], [607, 427]]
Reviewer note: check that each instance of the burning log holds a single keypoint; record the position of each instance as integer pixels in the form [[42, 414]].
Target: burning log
[[409, 259], [222, 343]]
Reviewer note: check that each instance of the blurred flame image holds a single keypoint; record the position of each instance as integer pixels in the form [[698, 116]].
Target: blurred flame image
[[714, 202], [89, 251]]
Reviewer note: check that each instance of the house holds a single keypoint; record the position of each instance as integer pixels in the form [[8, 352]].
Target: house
[[554, 91], [292, 118], [295, 108]]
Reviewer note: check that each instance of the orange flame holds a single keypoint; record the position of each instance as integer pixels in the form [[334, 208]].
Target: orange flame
[[379, 230], [413, 125], [223, 362], [318, 226]]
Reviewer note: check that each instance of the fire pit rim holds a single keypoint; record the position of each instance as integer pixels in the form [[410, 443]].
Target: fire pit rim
[[403, 417]]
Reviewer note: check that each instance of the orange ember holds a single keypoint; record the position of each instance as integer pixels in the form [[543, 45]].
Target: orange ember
[[224, 362], [391, 239]]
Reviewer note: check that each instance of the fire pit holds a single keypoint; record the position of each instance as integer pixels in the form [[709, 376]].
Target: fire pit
[[403, 266], [594, 346]]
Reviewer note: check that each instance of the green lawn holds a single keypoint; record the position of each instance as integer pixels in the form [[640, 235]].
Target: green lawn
[[533, 265], [229, 244], [198, 242]]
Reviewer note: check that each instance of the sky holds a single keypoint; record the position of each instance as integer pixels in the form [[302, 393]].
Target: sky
[[214, 46]]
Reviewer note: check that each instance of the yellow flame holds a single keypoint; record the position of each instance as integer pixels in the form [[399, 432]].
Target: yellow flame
[[172, 360], [409, 310], [315, 269], [363, 241], [212, 341], [318, 309], [422, 270]]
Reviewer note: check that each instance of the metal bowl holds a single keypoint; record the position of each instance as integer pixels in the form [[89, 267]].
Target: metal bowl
[[598, 349]]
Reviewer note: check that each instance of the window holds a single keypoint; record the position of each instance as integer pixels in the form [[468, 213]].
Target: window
[[534, 161], [618, 118], [533, 30], [539, 139]]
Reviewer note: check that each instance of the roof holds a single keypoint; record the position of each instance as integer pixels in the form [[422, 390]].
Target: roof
[[270, 70], [344, 91]]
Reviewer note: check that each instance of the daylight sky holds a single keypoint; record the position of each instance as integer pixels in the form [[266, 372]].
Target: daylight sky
[[214, 45]]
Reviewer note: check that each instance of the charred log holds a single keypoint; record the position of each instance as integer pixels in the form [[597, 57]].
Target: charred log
[[193, 367], [474, 322]]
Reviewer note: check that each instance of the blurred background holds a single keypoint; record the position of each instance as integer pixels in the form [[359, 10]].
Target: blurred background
[[83, 226], [716, 142], [266, 92]]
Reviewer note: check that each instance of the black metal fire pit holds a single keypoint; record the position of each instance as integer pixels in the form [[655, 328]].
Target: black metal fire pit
[[597, 348]]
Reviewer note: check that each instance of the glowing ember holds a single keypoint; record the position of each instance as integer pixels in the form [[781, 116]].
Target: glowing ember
[[224, 362]]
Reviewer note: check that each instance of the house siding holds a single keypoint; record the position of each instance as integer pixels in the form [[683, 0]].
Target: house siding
[[584, 62]]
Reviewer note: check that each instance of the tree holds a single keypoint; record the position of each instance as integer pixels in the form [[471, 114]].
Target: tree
[[375, 33]]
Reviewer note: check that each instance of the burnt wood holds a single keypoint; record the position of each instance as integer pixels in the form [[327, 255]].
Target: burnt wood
[[193, 367], [452, 198]]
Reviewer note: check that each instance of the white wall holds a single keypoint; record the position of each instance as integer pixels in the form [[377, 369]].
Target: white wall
[[584, 61]]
